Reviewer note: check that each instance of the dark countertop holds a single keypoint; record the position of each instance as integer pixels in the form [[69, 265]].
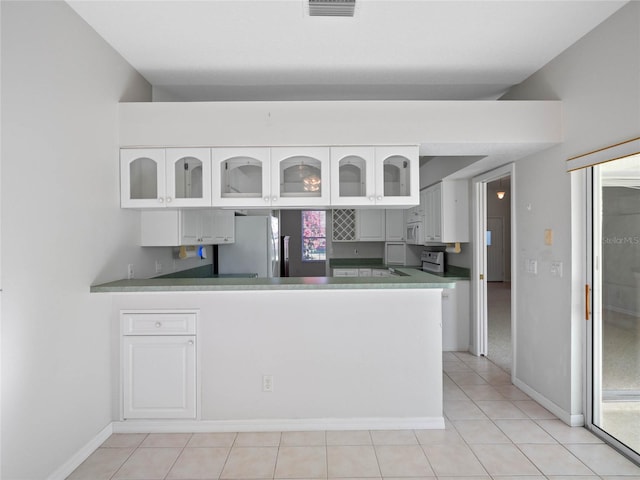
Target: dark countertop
[[411, 278]]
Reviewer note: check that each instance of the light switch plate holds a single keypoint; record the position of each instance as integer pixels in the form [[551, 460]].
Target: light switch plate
[[556, 269], [532, 266]]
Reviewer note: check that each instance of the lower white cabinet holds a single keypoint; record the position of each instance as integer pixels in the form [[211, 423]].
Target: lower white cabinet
[[159, 374], [171, 228], [456, 323], [345, 272], [362, 272]]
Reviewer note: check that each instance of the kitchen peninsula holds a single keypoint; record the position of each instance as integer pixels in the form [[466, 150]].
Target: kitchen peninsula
[[278, 354]]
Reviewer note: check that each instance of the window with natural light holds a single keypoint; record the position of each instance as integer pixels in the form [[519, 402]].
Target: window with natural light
[[314, 235]]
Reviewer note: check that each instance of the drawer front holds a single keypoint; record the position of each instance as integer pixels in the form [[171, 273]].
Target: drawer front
[[158, 323], [345, 272]]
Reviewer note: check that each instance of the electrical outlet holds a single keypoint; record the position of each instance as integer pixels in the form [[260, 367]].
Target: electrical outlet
[[158, 267], [130, 271], [267, 383]]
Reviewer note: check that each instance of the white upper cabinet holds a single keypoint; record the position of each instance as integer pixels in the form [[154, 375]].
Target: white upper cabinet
[[447, 212], [142, 178], [374, 176], [189, 226], [158, 177], [433, 213], [300, 177], [188, 172], [241, 177], [394, 225], [280, 177], [370, 225], [397, 175], [352, 176]]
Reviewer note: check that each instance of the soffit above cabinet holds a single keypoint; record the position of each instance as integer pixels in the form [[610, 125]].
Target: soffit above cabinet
[[496, 131]]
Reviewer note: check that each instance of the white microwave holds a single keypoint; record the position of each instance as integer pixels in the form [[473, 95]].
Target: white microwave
[[415, 233]]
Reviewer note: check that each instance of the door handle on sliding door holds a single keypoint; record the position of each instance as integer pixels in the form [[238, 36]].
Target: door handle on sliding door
[[587, 302]]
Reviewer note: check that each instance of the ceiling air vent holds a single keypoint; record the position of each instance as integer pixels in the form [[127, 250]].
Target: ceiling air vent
[[331, 8]]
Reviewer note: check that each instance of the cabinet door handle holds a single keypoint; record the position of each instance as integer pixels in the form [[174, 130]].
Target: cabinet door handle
[[379, 197], [274, 199], [160, 199], [158, 324], [266, 199], [371, 198], [190, 342], [168, 199]]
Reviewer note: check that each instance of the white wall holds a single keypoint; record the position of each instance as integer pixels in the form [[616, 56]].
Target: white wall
[[62, 231], [328, 365], [598, 81]]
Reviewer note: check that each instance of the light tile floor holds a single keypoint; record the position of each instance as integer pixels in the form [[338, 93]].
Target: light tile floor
[[493, 430]]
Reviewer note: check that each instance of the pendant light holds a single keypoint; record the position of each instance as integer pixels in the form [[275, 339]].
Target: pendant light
[[500, 191]]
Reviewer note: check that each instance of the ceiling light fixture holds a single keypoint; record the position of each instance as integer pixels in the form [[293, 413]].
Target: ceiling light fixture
[[501, 193], [331, 8]]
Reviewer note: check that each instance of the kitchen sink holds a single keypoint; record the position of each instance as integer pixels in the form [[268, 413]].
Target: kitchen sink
[[397, 273]]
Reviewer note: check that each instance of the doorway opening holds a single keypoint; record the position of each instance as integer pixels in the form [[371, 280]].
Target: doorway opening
[[493, 284], [498, 254]]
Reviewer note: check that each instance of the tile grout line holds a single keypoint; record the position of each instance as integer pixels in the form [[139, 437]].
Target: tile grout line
[[178, 457], [494, 423], [529, 418], [224, 464], [128, 457]]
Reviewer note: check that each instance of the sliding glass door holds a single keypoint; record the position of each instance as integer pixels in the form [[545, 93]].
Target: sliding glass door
[[615, 309]]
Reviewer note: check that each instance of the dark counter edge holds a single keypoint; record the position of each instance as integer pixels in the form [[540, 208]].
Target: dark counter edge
[[414, 278]]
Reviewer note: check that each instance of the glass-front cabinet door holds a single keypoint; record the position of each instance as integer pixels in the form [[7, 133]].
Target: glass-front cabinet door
[[352, 176], [241, 177], [142, 177], [300, 176], [397, 175], [188, 172]]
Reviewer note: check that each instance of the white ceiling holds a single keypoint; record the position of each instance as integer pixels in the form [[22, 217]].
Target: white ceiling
[[390, 49]]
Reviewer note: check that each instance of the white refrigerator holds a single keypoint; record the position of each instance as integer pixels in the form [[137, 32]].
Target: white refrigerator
[[255, 249]]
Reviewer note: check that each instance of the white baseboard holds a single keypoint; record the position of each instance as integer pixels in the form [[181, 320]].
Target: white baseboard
[[277, 425], [572, 420], [81, 455]]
